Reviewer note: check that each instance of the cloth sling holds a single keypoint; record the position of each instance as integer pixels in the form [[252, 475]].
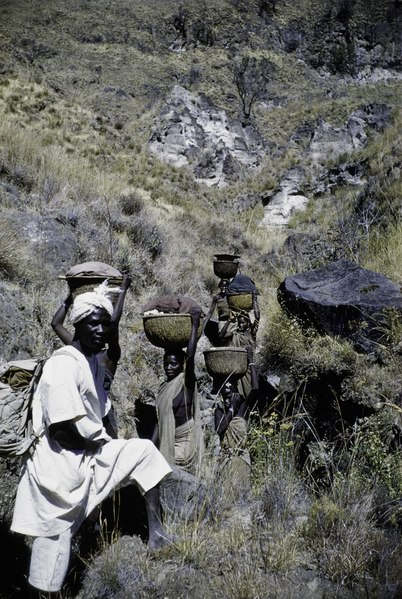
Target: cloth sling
[[234, 461], [223, 309], [234, 440], [175, 444], [185, 450], [239, 339]]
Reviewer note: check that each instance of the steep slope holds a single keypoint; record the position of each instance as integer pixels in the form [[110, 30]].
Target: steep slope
[[264, 88]]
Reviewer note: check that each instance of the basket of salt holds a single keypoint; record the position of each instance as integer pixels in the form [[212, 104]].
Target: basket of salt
[[240, 301], [225, 265], [226, 361], [169, 330]]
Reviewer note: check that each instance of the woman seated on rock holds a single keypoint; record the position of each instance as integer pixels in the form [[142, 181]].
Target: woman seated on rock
[[178, 432]]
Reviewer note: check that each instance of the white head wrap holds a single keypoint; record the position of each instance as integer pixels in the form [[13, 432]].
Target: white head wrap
[[86, 303]]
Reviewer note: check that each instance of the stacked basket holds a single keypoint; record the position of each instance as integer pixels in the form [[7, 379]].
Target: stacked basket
[[167, 321], [88, 275], [226, 265], [240, 302], [169, 330], [240, 293], [222, 362]]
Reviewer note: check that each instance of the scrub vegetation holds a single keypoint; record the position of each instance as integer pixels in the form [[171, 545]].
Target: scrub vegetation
[[81, 87]]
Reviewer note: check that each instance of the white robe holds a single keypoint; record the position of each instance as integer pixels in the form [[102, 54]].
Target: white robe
[[59, 487]]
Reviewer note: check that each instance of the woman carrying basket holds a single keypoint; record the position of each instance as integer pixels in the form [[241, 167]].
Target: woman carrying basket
[[178, 432]]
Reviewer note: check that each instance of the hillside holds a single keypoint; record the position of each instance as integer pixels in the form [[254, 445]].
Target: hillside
[[152, 136]]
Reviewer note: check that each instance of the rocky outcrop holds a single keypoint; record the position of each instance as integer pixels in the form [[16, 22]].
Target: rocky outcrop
[[346, 173], [308, 249], [184, 495], [343, 299], [192, 132], [319, 144], [17, 341], [281, 203], [334, 141], [36, 248], [53, 244], [340, 45]]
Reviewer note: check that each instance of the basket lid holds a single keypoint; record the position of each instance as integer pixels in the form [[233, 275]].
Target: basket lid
[[92, 270], [227, 349], [226, 257], [154, 314]]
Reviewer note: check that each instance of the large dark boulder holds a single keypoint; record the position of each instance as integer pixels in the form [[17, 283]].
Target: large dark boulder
[[343, 299], [184, 495]]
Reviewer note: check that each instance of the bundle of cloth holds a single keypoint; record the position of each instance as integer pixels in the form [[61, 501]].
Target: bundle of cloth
[[170, 304], [93, 269], [241, 284]]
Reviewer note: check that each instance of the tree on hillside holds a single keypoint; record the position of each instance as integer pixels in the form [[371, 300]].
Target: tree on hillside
[[180, 23], [251, 77], [344, 10], [266, 7]]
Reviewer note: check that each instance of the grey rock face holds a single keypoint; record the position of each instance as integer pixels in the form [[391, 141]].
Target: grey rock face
[[52, 243], [308, 248], [16, 340], [193, 132], [347, 173], [320, 144], [333, 141], [39, 247], [286, 199]]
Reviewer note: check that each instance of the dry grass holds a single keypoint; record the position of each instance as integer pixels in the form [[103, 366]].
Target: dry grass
[[75, 152], [343, 533], [13, 259], [241, 551], [386, 253]]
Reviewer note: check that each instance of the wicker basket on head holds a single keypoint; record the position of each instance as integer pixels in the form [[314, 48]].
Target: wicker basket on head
[[226, 265], [86, 276], [240, 301], [78, 285], [169, 330], [226, 361]]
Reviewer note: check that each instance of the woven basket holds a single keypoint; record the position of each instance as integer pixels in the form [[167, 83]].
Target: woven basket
[[226, 361], [225, 269], [240, 301], [169, 330], [228, 257], [78, 285]]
